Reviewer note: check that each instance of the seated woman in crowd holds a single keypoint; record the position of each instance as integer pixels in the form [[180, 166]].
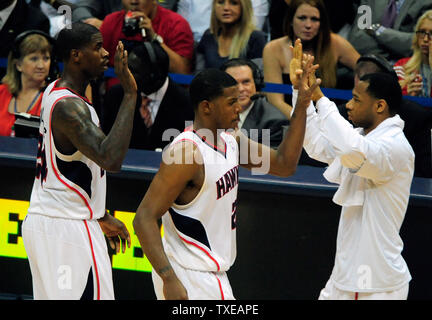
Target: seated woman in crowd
[[414, 73], [22, 87], [232, 34], [307, 20]]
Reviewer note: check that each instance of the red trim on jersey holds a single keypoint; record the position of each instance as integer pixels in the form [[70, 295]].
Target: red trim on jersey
[[202, 249], [55, 84], [94, 262], [55, 88], [220, 288], [223, 152], [185, 139], [54, 168]]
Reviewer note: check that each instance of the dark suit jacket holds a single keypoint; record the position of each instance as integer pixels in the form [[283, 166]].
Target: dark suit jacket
[[174, 110], [23, 17], [264, 115], [417, 130], [394, 43]]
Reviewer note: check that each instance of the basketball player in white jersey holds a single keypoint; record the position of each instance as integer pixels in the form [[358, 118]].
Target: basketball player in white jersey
[[63, 230], [197, 199]]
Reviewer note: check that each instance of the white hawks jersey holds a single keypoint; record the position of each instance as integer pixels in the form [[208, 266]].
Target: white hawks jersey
[[65, 186], [201, 235]]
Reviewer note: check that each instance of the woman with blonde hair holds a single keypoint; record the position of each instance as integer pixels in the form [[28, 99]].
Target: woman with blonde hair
[[232, 34], [414, 73], [307, 20], [22, 87]]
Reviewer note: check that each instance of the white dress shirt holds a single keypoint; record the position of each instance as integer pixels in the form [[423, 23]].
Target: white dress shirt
[[374, 173], [243, 115], [156, 99]]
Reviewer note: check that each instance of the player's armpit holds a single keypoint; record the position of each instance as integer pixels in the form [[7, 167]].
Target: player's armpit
[[180, 165]]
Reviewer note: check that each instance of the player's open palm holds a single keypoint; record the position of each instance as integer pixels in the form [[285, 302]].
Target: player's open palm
[[295, 66], [122, 71], [305, 87]]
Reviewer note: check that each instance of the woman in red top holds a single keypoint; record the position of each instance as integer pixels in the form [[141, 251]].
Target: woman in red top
[[414, 73], [22, 86]]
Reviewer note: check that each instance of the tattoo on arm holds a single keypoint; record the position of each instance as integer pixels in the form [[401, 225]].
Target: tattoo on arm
[[165, 269]]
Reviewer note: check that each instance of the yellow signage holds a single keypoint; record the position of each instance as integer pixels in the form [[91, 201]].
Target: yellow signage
[[13, 212]]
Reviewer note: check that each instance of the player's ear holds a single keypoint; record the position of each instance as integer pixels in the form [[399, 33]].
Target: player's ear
[[381, 106], [75, 54], [206, 106]]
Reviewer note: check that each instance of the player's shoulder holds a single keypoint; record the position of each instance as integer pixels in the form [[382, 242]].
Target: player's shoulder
[[183, 150]]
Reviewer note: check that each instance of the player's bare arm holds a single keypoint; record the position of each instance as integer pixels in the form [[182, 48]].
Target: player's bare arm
[[178, 182], [284, 160], [74, 129]]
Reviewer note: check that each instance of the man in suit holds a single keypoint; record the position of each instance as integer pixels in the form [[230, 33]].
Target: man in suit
[[390, 35], [257, 112], [163, 105], [16, 16], [418, 119]]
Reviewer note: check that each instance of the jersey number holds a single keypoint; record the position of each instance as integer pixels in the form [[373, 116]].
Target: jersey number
[[234, 215], [41, 166]]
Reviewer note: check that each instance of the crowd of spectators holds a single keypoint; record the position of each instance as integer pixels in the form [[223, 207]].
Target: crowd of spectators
[[186, 36]]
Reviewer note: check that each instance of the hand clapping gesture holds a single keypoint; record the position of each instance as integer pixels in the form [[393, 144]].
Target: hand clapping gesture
[[302, 74]]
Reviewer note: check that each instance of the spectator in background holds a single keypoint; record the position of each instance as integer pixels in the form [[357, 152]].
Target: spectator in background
[[198, 12], [414, 73], [256, 112], [169, 28], [418, 119], [16, 16], [307, 20], [341, 17], [22, 87], [391, 32], [94, 11], [162, 104], [232, 34], [58, 20]]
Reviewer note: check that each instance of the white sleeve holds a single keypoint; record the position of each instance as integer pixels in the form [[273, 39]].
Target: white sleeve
[[368, 158], [315, 144]]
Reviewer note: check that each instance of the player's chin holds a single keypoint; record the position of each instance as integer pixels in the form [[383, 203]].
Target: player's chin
[[234, 124]]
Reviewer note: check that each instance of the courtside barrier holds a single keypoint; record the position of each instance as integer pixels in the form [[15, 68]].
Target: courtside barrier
[[269, 87]]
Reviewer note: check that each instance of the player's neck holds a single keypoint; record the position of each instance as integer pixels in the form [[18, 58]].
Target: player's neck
[[210, 134], [74, 82]]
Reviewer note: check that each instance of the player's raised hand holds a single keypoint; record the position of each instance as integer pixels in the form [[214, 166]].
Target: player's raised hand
[[317, 93], [296, 63], [122, 71], [306, 88]]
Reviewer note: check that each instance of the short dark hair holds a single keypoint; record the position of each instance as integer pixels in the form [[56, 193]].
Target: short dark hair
[[257, 75], [380, 62], [384, 86], [149, 64], [209, 84], [152, 54], [76, 37]]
